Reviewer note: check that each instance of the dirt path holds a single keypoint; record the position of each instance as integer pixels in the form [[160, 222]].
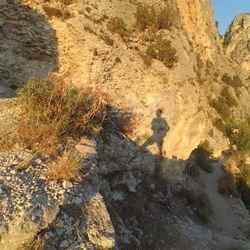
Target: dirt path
[[230, 215]]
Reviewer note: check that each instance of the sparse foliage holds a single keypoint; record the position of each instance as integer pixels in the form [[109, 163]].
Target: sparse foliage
[[203, 154], [148, 17], [54, 111], [163, 51], [239, 134], [67, 167], [117, 25]]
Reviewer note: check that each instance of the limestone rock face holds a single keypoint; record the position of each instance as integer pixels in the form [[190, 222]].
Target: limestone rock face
[[200, 26], [33, 207], [237, 41], [100, 230], [75, 38], [28, 46], [28, 203]]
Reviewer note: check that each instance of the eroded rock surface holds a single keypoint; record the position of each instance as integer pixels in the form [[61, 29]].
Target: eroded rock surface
[[237, 41], [28, 46]]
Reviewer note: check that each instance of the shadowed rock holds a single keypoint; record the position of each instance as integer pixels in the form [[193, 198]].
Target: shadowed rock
[[28, 46]]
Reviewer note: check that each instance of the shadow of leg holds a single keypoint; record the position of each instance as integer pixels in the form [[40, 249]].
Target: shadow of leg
[[160, 145], [148, 142]]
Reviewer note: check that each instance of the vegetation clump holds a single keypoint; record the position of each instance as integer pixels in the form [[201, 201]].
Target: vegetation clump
[[53, 111], [117, 25], [223, 104], [67, 167], [162, 50], [203, 155], [148, 17], [239, 135]]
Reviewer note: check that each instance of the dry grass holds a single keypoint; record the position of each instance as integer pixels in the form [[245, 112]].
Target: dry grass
[[37, 244], [41, 138], [8, 140], [67, 167], [117, 25], [52, 111]]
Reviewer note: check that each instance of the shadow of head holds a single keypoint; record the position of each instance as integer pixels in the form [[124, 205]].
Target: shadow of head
[[28, 46], [159, 112]]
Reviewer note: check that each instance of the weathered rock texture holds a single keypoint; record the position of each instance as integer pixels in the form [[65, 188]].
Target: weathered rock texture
[[60, 213], [76, 39], [117, 67], [28, 46], [121, 204], [237, 42]]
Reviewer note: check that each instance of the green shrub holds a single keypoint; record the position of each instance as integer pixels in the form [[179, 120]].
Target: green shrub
[[145, 16], [165, 18], [239, 134], [149, 17], [203, 155], [54, 111], [163, 51], [117, 25], [243, 181], [234, 82]]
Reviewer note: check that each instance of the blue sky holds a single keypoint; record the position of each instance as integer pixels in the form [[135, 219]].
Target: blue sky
[[226, 10]]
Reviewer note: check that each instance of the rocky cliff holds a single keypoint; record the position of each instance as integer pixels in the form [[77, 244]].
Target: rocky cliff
[[237, 42], [112, 46], [75, 38]]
